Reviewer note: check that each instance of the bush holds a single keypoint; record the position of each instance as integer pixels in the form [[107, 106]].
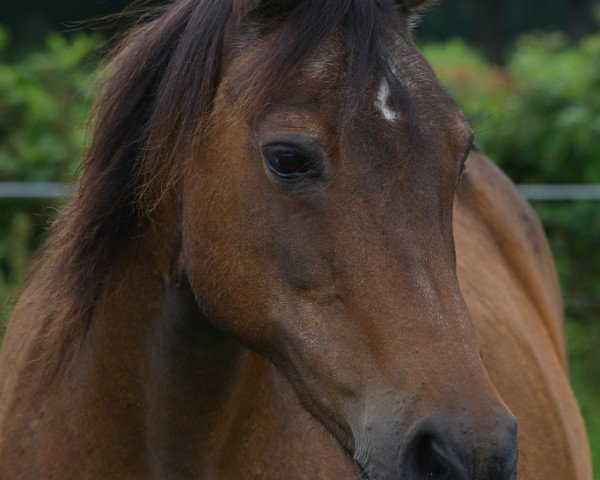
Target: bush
[[44, 105], [45, 100], [538, 117]]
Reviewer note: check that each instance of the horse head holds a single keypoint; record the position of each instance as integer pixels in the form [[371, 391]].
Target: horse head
[[318, 231], [316, 192]]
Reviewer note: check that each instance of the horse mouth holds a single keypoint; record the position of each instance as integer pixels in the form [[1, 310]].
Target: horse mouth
[[362, 472]]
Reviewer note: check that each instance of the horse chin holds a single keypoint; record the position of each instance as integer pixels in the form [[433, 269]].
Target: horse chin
[[362, 471]]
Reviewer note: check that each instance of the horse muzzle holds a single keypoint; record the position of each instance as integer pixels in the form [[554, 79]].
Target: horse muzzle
[[437, 449]]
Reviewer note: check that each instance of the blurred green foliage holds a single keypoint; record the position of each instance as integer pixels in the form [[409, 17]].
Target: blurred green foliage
[[43, 109], [538, 117], [45, 100], [584, 357]]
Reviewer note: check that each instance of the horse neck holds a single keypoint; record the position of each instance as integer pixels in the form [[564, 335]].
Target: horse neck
[[151, 358], [149, 387]]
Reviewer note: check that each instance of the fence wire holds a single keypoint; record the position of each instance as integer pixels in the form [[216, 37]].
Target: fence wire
[[51, 190], [34, 190]]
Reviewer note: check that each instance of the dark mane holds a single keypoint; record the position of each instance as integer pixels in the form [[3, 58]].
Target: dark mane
[[160, 88]]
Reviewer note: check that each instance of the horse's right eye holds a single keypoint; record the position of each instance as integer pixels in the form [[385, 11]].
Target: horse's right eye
[[289, 163]]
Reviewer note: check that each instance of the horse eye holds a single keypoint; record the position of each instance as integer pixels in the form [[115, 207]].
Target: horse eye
[[289, 163]]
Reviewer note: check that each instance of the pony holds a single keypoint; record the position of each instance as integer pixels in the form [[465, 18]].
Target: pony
[[276, 266]]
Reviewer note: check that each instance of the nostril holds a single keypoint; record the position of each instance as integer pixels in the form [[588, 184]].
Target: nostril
[[436, 461], [433, 450], [429, 457]]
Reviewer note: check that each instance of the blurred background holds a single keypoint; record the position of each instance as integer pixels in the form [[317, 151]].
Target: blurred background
[[526, 72]]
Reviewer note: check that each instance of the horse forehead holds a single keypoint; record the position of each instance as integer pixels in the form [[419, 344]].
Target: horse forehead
[[413, 75], [321, 64], [382, 102], [436, 111], [326, 60], [413, 72]]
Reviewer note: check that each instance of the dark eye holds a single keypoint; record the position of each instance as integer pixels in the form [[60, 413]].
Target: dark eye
[[289, 163]]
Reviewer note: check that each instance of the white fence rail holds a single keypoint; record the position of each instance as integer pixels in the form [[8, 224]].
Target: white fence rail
[[49, 190], [33, 190], [561, 192]]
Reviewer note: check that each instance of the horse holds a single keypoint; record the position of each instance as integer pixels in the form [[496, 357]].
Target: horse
[[285, 259]]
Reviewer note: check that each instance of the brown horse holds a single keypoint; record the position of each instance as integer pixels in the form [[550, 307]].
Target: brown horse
[[271, 271]]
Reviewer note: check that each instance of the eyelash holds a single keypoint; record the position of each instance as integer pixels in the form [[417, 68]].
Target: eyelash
[[463, 166]]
